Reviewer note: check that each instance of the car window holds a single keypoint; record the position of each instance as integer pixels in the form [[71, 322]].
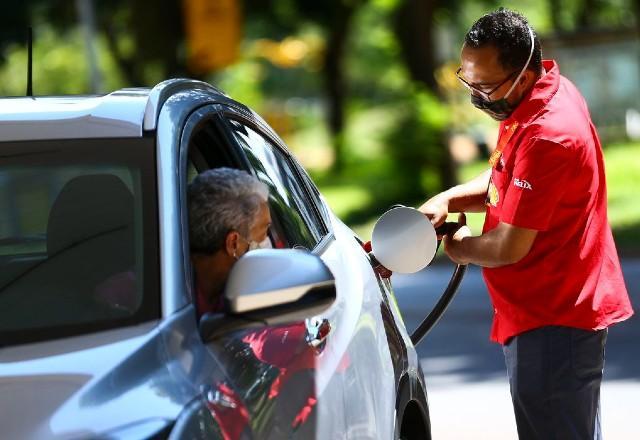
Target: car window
[[322, 215], [77, 237], [192, 171], [288, 200], [205, 149]]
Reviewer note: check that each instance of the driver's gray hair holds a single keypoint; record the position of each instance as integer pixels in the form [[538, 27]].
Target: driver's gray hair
[[222, 200]]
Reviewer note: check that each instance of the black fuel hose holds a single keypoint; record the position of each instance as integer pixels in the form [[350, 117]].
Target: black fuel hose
[[449, 293], [432, 318]]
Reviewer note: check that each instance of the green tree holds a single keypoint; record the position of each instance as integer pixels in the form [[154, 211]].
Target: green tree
[[144, 40], [580, 15], [335, 18]]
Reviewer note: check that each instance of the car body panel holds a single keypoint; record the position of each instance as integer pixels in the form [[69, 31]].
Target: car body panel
[[90, 385], [53, 389], [365, 341], [118, 114], [166, 89]]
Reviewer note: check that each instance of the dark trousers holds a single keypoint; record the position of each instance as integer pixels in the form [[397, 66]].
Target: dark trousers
[[555, 374]]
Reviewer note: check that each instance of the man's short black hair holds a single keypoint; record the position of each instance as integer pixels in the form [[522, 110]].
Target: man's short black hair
[[508, 32]]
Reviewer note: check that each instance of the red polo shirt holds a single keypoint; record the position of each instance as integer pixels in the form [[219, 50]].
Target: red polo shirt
[[550, 177]]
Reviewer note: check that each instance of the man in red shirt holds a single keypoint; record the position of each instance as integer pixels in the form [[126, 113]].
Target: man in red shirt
[[546, 249]]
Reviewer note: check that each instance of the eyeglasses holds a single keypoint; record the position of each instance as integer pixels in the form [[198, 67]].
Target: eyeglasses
[[483, 94]]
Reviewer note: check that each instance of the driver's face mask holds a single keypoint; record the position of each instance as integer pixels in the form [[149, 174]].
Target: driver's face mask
[[253, 245], [264, 244], [501, 109]]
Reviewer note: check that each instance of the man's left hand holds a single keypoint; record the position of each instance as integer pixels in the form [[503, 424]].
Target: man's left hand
[[453, 245]]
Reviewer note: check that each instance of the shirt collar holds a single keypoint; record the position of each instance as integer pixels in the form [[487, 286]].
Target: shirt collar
[[543, 90]]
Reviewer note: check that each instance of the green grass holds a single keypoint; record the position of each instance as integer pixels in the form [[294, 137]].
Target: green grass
[[622, 162], [466, 173], [623, 186]]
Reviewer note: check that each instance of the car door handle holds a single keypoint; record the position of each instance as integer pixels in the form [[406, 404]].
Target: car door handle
[[317, 331]]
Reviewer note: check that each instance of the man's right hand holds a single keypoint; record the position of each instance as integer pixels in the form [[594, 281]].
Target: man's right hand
[[467, 197], [436, 209]]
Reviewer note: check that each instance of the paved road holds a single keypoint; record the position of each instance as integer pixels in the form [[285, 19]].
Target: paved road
[[465, 373]]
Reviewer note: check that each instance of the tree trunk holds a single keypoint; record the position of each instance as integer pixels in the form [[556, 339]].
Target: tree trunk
[[335, 80], [585, 15], [157, 34], [414, 30], [127, 66], [554, 13], [636, 10]]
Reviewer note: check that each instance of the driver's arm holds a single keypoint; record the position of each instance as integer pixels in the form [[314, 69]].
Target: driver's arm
[[505, 244]]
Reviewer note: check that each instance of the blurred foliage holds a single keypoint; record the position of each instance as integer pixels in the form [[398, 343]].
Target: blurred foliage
[[59, 65], [575, 15], [366, 84], [414, 146], [144, 40]]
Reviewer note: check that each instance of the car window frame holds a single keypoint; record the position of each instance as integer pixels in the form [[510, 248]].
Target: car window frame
[[322, 225], [291, 225], [207, 114], [216, 114]]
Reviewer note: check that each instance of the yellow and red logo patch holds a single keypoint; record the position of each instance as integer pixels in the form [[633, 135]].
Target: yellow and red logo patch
[[493, 197]]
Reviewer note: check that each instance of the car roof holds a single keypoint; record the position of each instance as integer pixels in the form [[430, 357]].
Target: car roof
[[123, 113]]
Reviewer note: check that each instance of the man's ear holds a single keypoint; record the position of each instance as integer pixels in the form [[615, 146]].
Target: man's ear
[[231, 243], [527, 80]]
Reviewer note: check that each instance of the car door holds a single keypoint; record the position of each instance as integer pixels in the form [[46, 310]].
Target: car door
[[357, 356], [269, 390], [295, 224]]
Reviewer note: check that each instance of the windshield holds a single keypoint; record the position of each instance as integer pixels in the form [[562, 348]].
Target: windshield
[[78, 237]]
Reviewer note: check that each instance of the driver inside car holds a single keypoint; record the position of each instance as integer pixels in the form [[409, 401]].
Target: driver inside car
[[228, 216]]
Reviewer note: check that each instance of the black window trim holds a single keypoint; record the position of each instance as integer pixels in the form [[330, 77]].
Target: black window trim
[[232, 113], [317, 226], [209, 113]]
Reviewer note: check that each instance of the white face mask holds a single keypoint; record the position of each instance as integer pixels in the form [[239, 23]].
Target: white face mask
[[264, 244]]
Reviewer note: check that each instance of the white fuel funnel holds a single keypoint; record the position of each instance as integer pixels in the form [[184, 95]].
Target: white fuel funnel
[[404, 240]]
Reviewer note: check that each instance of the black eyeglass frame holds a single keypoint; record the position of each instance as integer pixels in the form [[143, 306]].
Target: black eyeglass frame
[[485, 95]]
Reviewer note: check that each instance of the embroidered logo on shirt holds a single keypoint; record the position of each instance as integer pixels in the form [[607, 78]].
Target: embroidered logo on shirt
[[493, 197], [522, 184]]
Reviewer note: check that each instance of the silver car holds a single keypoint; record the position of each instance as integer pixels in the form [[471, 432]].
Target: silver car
[[99, 333]]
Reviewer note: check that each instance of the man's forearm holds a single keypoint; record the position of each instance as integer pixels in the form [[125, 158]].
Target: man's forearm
[[485, 251], [469, 196], [505, 244]]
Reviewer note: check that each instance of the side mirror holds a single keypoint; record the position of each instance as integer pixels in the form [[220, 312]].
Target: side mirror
[[266, 278]]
